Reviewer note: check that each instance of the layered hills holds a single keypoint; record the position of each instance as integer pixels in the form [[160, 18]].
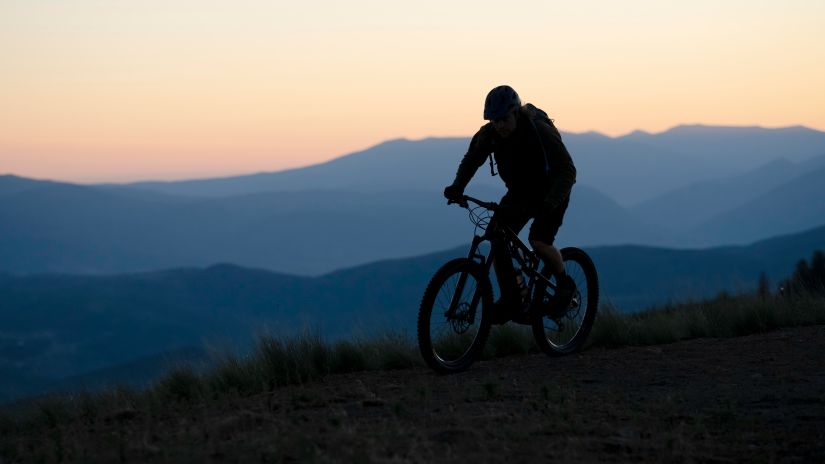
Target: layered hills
[[59, 326], [689, 187]]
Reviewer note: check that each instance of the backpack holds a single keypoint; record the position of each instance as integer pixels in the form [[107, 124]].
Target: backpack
[[537, 114], [534, 114]]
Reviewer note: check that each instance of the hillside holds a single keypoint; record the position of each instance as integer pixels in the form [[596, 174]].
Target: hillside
[[80, 229], [691, 206], [748, 399], [776, 212], [56, 326], [70, 228]]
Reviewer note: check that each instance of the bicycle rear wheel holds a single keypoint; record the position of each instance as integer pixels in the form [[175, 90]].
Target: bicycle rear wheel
[[454, 317], [566, 333]]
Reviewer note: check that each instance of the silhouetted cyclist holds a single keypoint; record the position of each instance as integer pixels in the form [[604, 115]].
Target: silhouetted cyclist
[[539, 175]]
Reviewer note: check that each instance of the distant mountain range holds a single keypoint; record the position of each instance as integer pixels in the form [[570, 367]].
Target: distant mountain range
[[793, 205], [629, 169], [385, 202], [700, 202], [83, 229], [56, 327]]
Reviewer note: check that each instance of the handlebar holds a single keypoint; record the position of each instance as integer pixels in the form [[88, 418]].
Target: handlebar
[[492, 206]]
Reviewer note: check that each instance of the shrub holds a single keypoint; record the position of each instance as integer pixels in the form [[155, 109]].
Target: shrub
[[182, 384]]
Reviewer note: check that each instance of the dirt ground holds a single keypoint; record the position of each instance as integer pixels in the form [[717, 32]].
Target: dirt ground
[[759, 398]]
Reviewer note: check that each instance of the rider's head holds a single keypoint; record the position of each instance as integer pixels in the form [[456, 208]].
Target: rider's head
[[500, 108]]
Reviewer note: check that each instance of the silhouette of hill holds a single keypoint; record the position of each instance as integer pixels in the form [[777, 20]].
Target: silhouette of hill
[[789, 207], [624, 170], [641, 166], [371, 198], [69, 228], [594, 219], [427, 164], [11, 184], [730, 149], [59, 326], [629, 169], [65, 227], [84, 229], [691, 206]]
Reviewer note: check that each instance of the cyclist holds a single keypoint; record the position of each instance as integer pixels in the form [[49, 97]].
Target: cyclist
[[539, 174]]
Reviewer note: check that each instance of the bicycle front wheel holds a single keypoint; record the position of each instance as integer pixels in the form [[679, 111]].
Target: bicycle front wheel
[[567, 331], [454, 317]]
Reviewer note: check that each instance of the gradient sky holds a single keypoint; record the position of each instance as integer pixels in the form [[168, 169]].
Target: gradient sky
[[116, 90]]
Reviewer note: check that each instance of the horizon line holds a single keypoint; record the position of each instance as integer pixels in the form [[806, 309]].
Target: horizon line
[[192, 177]]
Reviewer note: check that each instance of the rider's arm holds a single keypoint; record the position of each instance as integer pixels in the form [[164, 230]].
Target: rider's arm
[[562, 170], [480, 148]]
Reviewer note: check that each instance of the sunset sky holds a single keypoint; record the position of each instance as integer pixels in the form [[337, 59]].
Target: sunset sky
[[120, 90]]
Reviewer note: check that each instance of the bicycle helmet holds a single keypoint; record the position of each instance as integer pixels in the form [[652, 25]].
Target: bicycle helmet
[[500, 101]]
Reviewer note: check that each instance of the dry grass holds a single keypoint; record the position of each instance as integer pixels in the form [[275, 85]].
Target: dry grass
[[721, 317], [278, 362]]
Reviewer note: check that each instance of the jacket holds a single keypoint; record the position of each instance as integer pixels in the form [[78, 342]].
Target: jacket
[[533, 162]]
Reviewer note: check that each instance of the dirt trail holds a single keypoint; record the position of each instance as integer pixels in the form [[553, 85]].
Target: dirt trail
[[759, 398]]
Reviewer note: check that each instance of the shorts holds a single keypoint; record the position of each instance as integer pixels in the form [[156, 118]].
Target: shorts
[[546, 222]]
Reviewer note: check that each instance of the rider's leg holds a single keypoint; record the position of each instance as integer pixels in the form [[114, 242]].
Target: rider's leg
[[510, 282], [515, 219], [542, 235], [550, 255]]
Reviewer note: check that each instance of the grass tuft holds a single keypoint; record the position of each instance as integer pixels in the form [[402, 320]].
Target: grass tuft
[[509, 340], [347, 356], [182, 384]]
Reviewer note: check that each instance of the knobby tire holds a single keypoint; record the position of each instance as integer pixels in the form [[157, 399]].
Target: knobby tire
[[434, 304], [574, 258]]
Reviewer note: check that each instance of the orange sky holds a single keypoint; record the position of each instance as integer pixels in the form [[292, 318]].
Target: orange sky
[[126, 90]]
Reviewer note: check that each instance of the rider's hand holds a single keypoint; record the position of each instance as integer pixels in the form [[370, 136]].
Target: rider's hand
[[453, 192]]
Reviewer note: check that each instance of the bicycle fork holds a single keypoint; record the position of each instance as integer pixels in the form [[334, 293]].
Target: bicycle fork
[[462, 281]]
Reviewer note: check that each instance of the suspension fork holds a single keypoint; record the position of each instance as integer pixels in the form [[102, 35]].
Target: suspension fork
[[474, 256]]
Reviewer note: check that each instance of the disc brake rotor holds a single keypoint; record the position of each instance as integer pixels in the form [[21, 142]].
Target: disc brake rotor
[[460, 322]]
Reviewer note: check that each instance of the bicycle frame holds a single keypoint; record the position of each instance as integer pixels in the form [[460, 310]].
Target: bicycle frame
[[528, 262]]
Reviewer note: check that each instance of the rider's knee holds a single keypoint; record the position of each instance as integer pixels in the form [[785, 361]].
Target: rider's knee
[[536, 244]]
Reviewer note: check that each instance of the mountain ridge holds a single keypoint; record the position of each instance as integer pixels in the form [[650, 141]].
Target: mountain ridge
[[374, 197], [645, 147], [58, 326], [75, 228]]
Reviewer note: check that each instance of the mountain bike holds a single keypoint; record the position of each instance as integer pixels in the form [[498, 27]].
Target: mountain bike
[[457, 310]]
